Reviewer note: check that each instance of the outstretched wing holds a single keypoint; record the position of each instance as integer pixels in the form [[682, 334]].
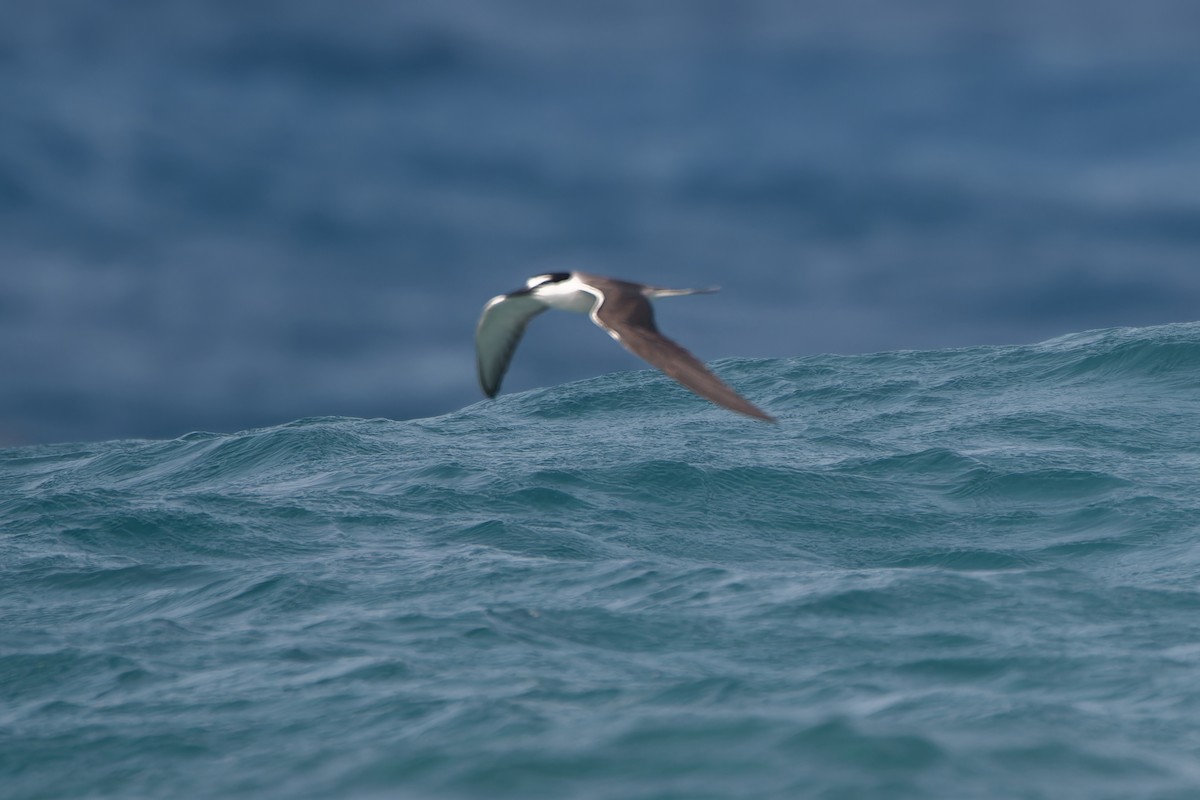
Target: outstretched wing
[[499, 331], [628, 318]]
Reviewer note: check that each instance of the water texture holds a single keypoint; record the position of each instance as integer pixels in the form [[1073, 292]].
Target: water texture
[[958, 573]]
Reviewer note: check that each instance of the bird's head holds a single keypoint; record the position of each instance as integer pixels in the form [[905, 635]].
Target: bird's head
[[547, 279], [540, 282]]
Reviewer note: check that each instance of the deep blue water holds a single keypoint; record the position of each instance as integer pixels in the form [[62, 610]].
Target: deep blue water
[[963, 573], [221, 215]]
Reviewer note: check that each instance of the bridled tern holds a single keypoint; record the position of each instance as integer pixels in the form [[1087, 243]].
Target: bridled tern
[[621, 308]]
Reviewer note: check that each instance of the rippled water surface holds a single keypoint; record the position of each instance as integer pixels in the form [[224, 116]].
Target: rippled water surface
[[960, 573]]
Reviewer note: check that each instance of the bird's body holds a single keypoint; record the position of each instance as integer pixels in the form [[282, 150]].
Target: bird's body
[[621, 308]]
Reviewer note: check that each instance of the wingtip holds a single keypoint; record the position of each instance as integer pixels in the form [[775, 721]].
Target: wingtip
[[489, 391]]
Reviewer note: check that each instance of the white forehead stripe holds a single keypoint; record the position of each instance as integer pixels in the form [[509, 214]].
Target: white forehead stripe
[[547, 279]]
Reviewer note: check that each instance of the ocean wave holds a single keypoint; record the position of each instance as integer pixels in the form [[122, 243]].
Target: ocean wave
[[934, 571]]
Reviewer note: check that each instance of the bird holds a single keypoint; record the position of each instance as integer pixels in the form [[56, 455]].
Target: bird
[[620, 308]]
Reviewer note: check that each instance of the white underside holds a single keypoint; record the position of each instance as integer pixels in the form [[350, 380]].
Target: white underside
[[569, 295]]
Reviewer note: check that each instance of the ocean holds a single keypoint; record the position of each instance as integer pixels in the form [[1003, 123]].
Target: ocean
[[948, 573], [223, 215]]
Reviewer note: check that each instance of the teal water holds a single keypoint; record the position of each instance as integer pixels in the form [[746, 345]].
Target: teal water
[[961, 573]]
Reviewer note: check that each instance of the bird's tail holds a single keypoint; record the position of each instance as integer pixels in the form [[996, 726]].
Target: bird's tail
[[662, 291]]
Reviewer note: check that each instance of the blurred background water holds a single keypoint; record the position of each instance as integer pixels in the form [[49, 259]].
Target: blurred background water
[[216, 215]]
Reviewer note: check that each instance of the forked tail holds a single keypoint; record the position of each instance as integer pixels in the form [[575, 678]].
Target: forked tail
[[662, 291]]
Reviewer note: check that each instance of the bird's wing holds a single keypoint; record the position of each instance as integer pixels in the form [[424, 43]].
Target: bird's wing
[[628, 317], [499, 331]]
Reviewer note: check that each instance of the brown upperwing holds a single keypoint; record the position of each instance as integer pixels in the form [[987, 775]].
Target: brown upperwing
[[628, 316]]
